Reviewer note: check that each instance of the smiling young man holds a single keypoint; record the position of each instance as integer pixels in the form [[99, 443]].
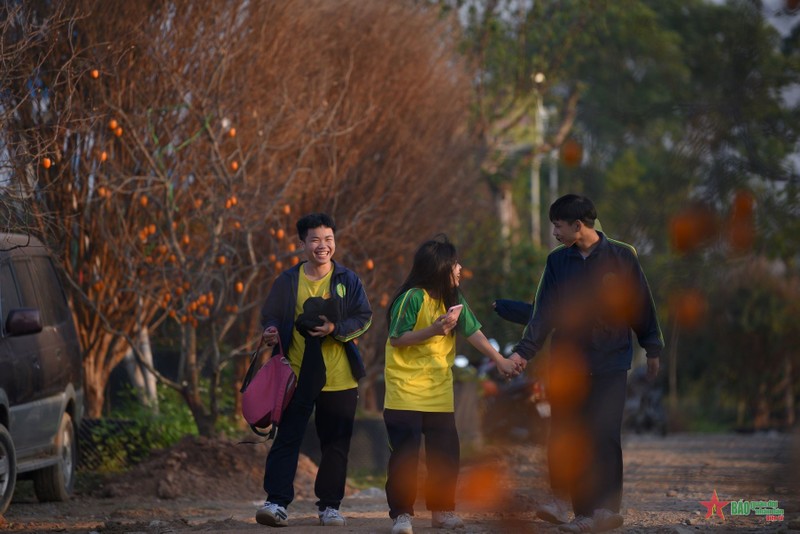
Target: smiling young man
[[327, 363], [592, 294]]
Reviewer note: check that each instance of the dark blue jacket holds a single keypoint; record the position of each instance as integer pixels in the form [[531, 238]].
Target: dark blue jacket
[[354, 310], [592, 304]]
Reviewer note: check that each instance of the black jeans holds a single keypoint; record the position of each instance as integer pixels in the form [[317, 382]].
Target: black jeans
[[335, 411], [442, 458], [585, 448]]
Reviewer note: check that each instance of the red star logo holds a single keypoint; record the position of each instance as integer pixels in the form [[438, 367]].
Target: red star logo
[[715, 505]]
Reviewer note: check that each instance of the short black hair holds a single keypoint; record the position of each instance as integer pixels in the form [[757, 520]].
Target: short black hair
[[314, 220], [571, 208]]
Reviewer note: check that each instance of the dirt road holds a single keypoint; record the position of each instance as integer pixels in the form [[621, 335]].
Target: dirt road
[[665, 481]]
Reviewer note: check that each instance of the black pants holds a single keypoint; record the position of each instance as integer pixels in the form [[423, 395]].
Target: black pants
[[585, 448], [405, 429], [335, 411]]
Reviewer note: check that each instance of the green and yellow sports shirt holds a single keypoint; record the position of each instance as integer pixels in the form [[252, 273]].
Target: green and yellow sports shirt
[[420, 377]]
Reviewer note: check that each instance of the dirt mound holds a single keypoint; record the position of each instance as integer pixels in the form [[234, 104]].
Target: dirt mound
[[203, 467]]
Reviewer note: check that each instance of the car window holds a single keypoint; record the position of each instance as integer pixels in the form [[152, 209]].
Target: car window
[[9, 299], [54, 308], [27, 289]]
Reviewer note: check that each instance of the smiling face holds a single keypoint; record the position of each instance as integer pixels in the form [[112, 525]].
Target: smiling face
[[456, 277], [319, 246]]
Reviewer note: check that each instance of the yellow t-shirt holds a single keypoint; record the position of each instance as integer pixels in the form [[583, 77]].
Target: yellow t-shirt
[[339, 376], [420, 377]]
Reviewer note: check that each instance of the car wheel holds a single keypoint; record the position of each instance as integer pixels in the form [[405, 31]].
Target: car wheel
[[55, 483], [8, 469]]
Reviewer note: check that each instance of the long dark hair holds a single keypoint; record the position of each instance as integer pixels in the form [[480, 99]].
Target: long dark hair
[[432, 271]]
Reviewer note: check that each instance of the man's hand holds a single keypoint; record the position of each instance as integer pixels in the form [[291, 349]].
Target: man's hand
[[270, 336], [324, 329], [652, 368], [519, 361]]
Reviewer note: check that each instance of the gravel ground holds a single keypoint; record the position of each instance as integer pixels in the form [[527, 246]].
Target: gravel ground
[[666, 478]]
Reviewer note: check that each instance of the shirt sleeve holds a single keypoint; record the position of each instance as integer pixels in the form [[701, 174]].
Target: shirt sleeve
[[404, 312], [468, 324]]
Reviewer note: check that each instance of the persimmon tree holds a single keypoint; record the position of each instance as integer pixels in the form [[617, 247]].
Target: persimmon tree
[[185, 139]]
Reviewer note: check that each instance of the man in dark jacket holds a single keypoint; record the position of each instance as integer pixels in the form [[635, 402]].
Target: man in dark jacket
[[591, 295], [327, 363]]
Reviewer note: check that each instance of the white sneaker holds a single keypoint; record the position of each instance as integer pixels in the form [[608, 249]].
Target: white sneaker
[[447, 520], [402, 525], [272, 515], [555, 511], [578, 525], [331, 517], [604, 519]]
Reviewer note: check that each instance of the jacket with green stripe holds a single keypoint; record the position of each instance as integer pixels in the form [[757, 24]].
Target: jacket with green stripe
[[346, 290], [592, 304]]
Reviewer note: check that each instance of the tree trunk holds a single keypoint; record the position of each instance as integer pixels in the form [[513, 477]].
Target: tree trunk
[[504, 202], [143, 381], [93, 393], [191, 380]]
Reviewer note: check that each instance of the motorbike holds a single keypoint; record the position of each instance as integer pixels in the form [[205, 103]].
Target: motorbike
[[644, 410], [514, 410]]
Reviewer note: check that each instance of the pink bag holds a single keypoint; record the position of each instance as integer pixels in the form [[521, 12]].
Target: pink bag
[[266, 393]]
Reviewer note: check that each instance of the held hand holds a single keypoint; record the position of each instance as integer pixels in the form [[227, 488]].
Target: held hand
[[520, 362], [508, 368], [324, 329], [270, 336]]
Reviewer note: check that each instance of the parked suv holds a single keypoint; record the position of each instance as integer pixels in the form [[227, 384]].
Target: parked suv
[[41, 386]]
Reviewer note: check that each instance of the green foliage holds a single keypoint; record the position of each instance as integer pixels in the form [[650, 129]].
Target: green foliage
[[679, 101], [131, 431]]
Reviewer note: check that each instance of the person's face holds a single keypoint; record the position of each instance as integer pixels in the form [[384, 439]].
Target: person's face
[[566, 232], [319, 245], [456, 274]]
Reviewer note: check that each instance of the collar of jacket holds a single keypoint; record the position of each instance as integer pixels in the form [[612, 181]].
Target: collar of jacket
[[602, 245]]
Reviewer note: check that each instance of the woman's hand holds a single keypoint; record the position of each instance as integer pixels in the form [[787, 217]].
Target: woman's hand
[[443, 325]]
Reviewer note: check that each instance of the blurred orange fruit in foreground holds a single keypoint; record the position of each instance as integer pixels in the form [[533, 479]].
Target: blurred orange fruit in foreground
[[484, 485], [741, 226], [95, 73], [571, 153], [692, 228], [46, 163], [568, 381], [688, 307], [112, 124]]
